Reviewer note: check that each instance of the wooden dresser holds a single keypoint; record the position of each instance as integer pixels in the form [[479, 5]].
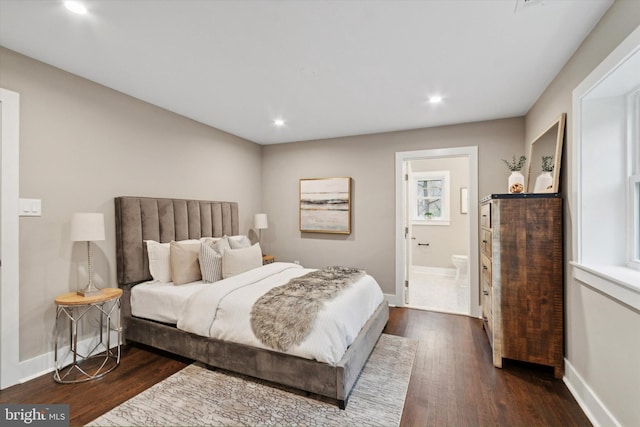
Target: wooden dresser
[[521, 278]]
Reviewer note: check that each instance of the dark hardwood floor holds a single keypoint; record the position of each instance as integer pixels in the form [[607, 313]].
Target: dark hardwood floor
[[453, 382]]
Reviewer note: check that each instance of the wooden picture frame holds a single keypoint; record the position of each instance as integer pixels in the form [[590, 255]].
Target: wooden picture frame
[[325, 205]]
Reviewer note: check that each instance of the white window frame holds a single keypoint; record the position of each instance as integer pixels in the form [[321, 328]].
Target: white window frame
[[445, 217], [633, 154], [596, 259]]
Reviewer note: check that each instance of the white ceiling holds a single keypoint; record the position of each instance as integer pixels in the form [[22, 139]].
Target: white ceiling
[[328, 68]]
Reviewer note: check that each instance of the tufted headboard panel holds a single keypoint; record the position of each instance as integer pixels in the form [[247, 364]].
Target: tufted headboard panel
[[163, 220]]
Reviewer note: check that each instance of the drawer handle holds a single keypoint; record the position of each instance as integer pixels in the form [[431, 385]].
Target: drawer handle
[[484, 267], [486, 319], [484, 241], [484, 215], [485, 292]]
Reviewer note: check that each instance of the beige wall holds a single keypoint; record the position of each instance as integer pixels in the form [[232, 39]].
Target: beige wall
[[601, 334], [81, 145], [443, 240], [370, 161]]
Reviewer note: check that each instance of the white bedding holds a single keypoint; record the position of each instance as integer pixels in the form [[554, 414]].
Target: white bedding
[[221, 310], [162, 302]]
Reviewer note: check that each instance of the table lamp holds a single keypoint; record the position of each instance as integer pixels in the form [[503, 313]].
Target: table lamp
[[88, 227], [259, 223]]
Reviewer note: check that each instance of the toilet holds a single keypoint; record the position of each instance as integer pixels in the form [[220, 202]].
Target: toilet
[[460, 262]]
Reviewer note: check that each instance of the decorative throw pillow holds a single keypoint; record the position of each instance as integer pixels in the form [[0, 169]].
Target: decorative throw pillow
[[210, 240], [159, 255], [220, 246], [210, 264], [238, 242], [159, 265], [236, 261], [185, 267]]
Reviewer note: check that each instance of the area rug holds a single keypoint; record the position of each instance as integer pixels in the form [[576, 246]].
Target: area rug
[[196, 396]]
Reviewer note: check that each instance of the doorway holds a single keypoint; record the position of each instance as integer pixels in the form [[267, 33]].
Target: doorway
[[9, 265], [437, 230]]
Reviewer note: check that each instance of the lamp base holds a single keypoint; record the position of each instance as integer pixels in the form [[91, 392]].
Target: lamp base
[[89, 291]]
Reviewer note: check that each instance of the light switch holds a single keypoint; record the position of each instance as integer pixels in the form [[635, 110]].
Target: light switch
[[30, 207]]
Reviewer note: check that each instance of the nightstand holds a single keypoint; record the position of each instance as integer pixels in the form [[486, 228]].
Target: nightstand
[[268, 259], [99, 358]]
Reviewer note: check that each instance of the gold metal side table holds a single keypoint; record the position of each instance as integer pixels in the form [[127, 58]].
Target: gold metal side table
[[101, 358]]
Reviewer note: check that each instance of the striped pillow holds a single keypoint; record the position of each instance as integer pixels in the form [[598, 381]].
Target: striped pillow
[[210, 264]]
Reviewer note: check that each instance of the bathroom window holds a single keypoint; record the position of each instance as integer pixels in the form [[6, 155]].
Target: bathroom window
[[430, 203]]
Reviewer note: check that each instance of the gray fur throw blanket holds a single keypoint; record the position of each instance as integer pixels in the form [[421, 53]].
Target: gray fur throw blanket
[[283, 317]]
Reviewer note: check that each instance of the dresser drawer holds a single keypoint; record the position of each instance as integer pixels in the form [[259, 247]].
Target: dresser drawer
[[487, 297], [485, 215], [485, 242], [485, 269], [487, 323]]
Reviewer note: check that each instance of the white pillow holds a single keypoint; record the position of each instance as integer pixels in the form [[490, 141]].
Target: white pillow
[[238, 242], [210, 240], [220, 246], [236, 261], [160, 260]]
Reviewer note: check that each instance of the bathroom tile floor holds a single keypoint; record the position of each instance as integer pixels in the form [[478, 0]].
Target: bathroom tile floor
[[438, 292]]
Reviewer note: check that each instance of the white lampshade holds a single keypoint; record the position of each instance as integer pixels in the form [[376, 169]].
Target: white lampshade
[[87, 227], [260, 221]]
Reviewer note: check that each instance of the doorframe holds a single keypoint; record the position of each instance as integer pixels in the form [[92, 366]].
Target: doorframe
[[471, 152], [9, 243]]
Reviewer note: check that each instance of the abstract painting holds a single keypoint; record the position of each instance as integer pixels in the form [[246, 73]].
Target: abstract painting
[[325, 205]]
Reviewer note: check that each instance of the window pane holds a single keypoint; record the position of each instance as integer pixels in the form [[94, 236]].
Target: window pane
[[434, 188], [422, 189], [431, 206], [434, 206], [637, 222], [422, 208]]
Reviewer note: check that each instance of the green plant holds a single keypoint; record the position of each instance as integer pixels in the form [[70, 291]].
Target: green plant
[[428, 215], [547, 163], [515, 165]]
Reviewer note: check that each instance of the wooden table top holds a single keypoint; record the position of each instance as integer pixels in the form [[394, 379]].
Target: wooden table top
[[72, 298]]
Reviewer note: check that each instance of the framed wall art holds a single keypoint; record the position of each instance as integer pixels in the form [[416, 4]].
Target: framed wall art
[[325, 205]]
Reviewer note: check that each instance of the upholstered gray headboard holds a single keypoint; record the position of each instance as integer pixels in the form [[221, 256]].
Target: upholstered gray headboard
[[163, 220]]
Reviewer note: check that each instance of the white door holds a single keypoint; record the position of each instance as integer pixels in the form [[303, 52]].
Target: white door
[[9, 265], [406, 168]]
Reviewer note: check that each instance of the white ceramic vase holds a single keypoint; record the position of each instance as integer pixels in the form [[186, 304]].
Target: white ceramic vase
[[516, 182], [544, 183]]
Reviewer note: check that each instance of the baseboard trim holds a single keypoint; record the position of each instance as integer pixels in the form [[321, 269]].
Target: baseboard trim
[[393, 300], [44, 364], [590, 403]]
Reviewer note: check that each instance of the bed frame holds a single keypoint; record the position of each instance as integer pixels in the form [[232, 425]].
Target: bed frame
[[164, 220]]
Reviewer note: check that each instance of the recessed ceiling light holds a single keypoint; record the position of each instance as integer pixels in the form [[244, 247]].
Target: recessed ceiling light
[[278, 122], [75, 7], [435, 99]]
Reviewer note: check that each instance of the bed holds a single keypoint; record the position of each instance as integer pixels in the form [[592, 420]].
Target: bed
[[164, 220]]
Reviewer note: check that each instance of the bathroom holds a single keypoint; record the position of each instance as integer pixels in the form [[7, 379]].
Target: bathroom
[[439, 279]]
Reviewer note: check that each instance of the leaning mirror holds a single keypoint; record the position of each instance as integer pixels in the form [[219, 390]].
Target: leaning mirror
[[544, 159]]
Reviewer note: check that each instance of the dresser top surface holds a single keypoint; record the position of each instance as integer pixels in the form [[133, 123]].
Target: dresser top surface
[[521, 196]]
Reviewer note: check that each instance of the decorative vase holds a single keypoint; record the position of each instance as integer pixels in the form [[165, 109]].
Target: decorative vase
[[516, 182], [544, 183]]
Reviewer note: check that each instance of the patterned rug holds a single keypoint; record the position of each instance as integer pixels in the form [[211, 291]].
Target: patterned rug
[[196, 396]]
